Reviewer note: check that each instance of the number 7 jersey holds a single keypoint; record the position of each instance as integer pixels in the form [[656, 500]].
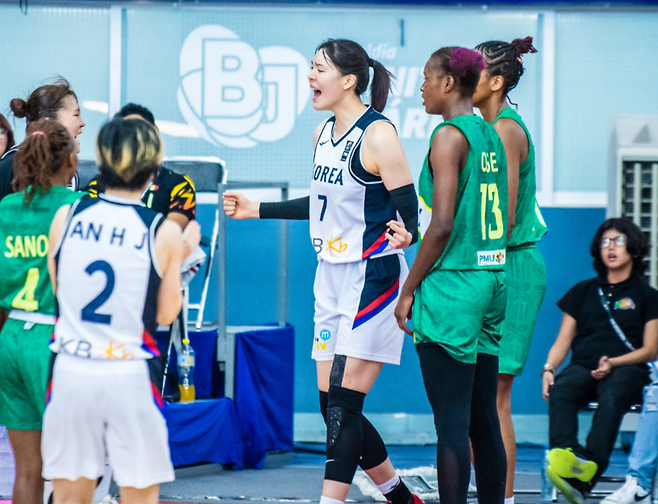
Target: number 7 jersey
[[107, 280], [479, 235], [349, 206]]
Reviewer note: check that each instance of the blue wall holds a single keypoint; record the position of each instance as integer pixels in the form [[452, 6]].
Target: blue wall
[[252, 299]]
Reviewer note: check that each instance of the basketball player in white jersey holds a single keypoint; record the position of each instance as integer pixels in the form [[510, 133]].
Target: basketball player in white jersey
[[115, 267], [360, 186]]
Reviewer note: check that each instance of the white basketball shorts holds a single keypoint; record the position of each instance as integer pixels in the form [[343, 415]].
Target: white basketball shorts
[[354, 305], [95, 406]]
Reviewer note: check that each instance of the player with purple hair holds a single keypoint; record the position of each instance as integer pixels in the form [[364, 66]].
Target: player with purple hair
[[457, 282]]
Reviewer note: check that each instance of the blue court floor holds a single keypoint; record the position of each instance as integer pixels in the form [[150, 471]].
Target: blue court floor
[[297, 477]]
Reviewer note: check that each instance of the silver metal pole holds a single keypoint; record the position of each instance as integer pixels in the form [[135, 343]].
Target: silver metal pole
[[637, 193], [224, 356], [283, 264], [653, 252]]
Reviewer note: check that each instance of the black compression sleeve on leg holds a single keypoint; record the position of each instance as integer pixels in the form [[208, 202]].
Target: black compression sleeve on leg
[[406, 202], [374, 449], [449, 385], [344, 434], [324, 401], [489, 457], [294, 209]]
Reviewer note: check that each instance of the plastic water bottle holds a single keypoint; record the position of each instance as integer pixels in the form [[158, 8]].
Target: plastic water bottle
[[547, 487], [186, 372]]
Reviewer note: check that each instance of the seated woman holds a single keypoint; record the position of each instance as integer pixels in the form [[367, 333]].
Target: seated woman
[[610, 325]]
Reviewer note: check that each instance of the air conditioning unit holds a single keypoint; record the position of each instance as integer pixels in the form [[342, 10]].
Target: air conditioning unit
[[633, 178]]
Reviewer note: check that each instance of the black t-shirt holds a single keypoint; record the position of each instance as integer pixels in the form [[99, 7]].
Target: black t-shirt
[[169, 192], [7, 173], [632, 303]]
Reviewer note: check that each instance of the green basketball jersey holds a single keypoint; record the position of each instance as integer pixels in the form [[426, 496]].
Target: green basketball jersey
[[479, 235], [529, 224], [25, 284]]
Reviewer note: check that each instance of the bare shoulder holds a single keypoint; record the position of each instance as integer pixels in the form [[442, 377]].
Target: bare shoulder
[[381, 133], [168, 232], [318, 130], [449, 137], [510, 129]]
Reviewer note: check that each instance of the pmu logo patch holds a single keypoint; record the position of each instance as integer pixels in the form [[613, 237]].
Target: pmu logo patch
[[491, 257], [325, 335], [235, 95], [346, 152], [625, 304]]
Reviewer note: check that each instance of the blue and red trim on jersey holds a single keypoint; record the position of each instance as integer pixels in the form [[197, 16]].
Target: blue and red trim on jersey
[[379, 246], [377, 305], [149, 345]]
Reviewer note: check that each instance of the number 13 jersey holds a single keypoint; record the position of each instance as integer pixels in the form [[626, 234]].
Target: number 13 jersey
[[479, 236], [349, 206], [107, 280]]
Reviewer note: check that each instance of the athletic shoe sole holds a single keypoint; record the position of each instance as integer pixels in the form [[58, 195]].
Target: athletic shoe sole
[[570, 493], [566, 464]]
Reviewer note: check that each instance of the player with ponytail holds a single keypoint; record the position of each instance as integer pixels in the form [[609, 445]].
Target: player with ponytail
[[525, 273], [44, 165], [457, 284], [360, 182]]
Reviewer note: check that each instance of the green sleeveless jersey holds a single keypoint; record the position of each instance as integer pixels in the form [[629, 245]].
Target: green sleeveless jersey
[[25, 284], [529, 224], [479, 235]]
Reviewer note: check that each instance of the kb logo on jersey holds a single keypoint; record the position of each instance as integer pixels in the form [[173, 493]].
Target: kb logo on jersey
[[235, 95]]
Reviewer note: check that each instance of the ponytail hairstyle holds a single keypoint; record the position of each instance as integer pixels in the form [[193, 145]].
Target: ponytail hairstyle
[[128, 153], [352, 59], [44, 102], [463, 64], [43, 153], [505, 59]]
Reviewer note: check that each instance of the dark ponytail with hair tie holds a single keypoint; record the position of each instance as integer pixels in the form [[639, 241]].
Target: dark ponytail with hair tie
[[352, 59]]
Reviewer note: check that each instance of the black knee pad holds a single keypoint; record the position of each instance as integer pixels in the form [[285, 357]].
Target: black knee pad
[[344, 434], [374, 450], [324, 401]]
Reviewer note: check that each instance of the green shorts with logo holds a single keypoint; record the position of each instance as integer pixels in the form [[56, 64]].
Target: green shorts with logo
[[24, 367], [462, 311], [525, 275]]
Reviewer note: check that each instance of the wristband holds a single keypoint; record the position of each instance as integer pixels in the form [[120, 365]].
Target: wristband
[[549, 368]]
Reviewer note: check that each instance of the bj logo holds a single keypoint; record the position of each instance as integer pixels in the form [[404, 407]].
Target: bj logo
[[235, 95]]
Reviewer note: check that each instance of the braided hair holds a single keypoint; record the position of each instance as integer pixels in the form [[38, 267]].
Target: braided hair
[[505, 59]]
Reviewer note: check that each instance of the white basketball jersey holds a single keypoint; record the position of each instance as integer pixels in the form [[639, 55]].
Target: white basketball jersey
[[107, 280], [349, 207]]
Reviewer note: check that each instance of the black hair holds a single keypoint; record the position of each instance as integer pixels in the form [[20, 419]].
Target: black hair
[[463, 64], [352, 59], [637, 244], [128, 153], [135, 109], [504, 59]]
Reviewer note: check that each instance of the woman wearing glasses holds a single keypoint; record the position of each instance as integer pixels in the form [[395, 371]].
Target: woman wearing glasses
[[610, 326]]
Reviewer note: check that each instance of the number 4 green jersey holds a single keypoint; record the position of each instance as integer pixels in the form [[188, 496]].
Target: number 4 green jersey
[[479, 235], [25, 284]]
